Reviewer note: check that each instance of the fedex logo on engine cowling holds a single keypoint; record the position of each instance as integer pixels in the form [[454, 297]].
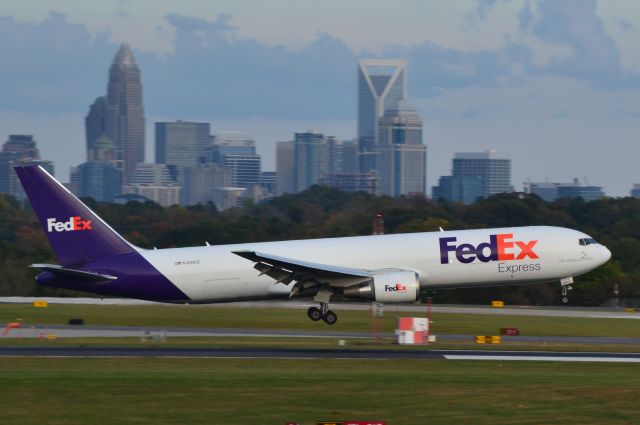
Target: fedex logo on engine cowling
[[73, 224], [398, 287], [501, 247]]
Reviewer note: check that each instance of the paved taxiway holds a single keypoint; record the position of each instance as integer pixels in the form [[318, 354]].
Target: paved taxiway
[[282, 353]]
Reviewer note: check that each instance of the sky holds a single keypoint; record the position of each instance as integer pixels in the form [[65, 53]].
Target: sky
[[553, 84]]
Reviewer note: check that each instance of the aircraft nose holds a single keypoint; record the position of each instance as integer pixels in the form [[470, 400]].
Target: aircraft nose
[[606, 254]]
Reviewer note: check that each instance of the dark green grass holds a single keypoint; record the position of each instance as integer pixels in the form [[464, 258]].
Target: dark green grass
[[232, 391], [228, 391], [295, 319]]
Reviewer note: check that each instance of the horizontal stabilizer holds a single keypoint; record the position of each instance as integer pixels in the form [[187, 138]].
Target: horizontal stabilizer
[[72, 273]]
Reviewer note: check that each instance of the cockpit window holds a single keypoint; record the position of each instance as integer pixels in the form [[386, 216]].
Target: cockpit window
[[587, 241]]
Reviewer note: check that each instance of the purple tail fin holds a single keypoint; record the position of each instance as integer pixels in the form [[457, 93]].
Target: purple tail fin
[[76, 234]]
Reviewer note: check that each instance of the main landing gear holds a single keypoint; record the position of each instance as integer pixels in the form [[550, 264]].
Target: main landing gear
[[323, 313]]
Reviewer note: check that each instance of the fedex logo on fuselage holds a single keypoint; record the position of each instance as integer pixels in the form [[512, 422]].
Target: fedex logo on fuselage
[[73, 224], [501, 247]]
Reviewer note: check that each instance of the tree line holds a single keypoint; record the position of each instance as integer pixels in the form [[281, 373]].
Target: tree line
[[326, 212]]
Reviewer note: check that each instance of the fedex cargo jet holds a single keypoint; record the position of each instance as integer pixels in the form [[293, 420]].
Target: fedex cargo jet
[[388, 269]]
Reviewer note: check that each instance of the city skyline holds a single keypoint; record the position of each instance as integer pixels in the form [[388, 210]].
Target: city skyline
[[521, 77]]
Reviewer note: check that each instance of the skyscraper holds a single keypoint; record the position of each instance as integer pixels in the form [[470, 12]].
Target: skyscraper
[[154, 182], [381, 85], [99, 180], [313, 158], [474, 175], [245, 169], [20, 149], [312, 153], [124, 110], [353, 182], [402, 158], [100, 177], [402, 169], [492, 167], [552, 191], [236, 151], [268, 182], [152, 174], [285, 168], [181, 143], [465, 189], [350, 157], [198, 184], [230, 143], [95, 123]]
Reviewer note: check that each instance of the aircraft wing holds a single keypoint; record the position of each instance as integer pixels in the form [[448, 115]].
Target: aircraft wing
[[286, 270]]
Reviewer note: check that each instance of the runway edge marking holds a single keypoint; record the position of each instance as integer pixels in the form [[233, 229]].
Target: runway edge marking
[[545, 358]]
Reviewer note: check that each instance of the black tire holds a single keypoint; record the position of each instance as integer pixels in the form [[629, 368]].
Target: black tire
[[330, 318], [314, 313]]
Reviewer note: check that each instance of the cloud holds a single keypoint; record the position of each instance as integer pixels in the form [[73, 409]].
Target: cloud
[[575, 24], [568, 32], [625, 25], [479, 13], [60, 66], [434, 68], [122, 8], [51, 66], [212, 72]]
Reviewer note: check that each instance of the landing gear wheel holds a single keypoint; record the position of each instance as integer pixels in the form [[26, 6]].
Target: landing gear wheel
[[314, 313], [565, 293], [330, 317]]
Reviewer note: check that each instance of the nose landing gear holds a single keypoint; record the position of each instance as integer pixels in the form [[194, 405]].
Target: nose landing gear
[[566, 285]]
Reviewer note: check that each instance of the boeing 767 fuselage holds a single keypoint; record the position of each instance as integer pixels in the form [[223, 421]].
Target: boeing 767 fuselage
[[388, 269]]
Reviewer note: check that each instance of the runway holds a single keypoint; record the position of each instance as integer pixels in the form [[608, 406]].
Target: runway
[[583, 312], [316, 354], [92, 331]]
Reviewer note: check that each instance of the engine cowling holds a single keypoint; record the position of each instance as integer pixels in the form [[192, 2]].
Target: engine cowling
[[390, 287]]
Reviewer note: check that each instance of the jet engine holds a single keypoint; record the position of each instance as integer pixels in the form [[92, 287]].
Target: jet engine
[[388, 287]]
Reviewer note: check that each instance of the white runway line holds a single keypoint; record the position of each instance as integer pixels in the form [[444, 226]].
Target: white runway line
[[544, 358]]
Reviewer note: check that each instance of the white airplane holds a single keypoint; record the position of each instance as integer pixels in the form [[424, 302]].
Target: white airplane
[[387, 269]]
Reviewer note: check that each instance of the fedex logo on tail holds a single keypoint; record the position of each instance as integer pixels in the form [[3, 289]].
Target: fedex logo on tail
[[73, 224], [501, 247]]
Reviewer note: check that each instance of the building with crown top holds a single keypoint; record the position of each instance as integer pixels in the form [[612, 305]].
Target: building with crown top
[[382, 84], [124, 111]]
